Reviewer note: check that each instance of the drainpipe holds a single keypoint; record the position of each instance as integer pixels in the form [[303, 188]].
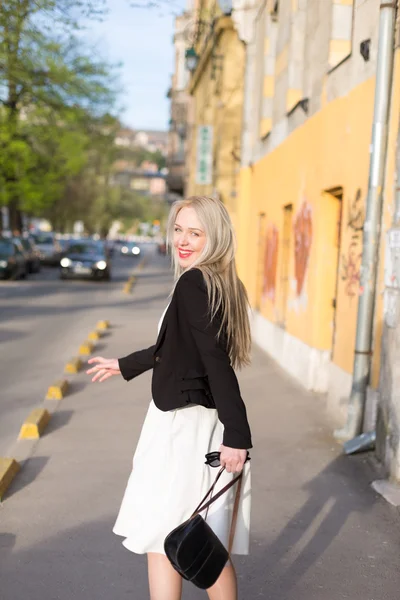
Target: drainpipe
[[372, 225]]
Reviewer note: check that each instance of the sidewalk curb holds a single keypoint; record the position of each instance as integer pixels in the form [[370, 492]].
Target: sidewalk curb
[[34, 425], [9, 467], [73, 366], [94, 336], [86, 348], [57, 390]]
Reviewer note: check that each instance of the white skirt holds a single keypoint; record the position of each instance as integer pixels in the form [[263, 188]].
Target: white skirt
[[169, 478]]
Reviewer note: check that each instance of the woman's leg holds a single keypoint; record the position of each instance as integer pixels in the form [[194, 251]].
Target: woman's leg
[[164, 582], [225, 587]]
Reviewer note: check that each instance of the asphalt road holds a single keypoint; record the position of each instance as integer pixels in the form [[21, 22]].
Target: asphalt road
[[318, 529], [43, 321]]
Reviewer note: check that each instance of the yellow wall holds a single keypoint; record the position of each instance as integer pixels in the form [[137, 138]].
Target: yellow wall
[[219, 103], [330, 150]]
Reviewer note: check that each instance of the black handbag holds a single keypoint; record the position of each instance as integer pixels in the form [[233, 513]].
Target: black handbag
[[193, 548]]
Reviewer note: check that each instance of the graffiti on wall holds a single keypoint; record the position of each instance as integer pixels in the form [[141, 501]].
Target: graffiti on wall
[[270, 263], [352, 257], [302, 228]]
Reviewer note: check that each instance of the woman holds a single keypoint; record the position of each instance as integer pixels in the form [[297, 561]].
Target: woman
[[196, 408]]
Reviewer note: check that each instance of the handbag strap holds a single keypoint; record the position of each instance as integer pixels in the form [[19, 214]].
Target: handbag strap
[[210, 491], [202, 506], [205, 506], [235, 514]]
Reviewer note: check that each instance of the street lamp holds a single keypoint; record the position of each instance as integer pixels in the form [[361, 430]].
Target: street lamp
[[191, 59], [226, 6]]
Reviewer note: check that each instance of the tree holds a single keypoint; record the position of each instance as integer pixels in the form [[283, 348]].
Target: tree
[[48, 83]]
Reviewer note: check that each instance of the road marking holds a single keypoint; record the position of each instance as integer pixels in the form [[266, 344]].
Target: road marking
[[34, 425], [94, 336], [57, 390], [73, 366], [8, 470], [86, 348]]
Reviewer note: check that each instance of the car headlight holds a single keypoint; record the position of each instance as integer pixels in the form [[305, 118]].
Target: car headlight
[[124, 250], [101, 265], [3, 264], [65, 262], [135, 250]]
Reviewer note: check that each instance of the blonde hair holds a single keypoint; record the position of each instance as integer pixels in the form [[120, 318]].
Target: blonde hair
[[226, 293]]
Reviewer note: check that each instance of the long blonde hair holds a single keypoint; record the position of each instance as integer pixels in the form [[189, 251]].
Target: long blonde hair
[[226, 293]]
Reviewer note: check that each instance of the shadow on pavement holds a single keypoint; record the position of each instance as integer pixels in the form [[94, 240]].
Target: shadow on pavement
[[334, 495], [8, 335], [30, 469], [58, 420], [7, 542], [87, 562]]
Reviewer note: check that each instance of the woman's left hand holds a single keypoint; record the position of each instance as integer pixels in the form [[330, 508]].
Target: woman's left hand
[[232, 459]]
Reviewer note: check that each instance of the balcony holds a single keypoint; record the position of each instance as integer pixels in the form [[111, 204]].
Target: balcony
[[176, 173]]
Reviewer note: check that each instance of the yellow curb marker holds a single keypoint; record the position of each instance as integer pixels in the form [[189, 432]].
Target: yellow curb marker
[[102, 325], [8, 470], [73, 366], [94, 336], [33, 427], [86, 348], [58, 389], [127, 288]]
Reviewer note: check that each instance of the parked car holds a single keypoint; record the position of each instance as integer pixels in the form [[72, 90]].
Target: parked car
[[110, 246], [130, 249], [162, 247], [18, 243], [32, 254], [87, 259], [49, 248], [64, 244], [12, 260]]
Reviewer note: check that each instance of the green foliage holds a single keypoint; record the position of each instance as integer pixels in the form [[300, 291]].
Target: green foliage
[[57, 129], [53, 98]]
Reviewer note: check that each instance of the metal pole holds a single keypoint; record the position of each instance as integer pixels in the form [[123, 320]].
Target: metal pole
[[371, 238]]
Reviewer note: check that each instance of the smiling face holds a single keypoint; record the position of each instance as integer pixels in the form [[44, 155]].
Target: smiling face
[[189, 237]]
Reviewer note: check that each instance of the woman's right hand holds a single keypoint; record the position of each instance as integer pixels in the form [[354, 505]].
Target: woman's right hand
[[106, 368]]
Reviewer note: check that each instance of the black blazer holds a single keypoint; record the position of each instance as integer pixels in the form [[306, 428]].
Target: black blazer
[[190, 365]]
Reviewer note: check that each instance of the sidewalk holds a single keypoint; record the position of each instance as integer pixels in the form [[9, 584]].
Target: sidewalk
[[319, 532]]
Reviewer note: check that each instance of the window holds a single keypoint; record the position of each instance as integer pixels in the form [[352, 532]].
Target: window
[[341, 32], [266, 35]]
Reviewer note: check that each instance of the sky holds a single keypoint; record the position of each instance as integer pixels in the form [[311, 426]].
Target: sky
[[140, 39]]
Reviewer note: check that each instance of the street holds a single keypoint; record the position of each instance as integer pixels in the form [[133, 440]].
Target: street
[[43, 321], [318, 530]]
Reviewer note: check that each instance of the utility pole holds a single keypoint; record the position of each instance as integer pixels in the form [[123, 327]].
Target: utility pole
[[372, 225]]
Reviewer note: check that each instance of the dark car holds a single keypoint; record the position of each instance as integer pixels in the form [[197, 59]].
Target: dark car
[[86, 259], [12, 260], [130, 249], [64, 244], [32, 254], [162, 247], [49, 248]]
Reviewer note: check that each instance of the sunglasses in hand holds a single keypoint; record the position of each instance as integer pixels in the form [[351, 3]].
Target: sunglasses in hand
[[213, 459]]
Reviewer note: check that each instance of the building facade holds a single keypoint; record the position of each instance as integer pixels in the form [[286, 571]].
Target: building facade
[[217, 86], [181, 109], [308, 114], [285, 132]]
